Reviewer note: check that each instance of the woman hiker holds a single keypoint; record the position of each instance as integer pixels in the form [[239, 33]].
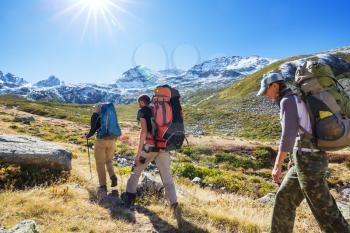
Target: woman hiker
[[104, 150], [307, 177], [145, 155]]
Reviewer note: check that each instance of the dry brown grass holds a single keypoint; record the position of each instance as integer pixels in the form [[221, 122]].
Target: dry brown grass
[[235, 213]]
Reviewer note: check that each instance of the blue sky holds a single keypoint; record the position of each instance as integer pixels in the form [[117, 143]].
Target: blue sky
[[36, 41]]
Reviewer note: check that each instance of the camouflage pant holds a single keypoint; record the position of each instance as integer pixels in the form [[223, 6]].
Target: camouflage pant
[[307, 179]]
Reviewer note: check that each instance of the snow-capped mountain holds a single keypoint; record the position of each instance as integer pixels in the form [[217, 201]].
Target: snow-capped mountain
[[139, 77], [11, 81], [332, 58], [172, 72], [215, 73], [50, 82], [220, 71]]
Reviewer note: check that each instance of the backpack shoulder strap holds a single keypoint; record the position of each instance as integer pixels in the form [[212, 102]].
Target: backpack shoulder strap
[[305, 133]]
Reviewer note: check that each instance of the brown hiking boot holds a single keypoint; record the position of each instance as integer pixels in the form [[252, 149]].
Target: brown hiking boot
[[177, 214]]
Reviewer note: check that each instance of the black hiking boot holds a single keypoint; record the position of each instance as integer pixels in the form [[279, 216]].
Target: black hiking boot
[[114, 181], [129, 199]]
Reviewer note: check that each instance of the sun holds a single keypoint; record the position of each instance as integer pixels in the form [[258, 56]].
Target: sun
[[98, 6], [95, 13], [96, 3]]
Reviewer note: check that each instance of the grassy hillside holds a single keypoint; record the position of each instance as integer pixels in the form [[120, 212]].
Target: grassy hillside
[[251, 82], [235, 110], [230, 117], [74, 112]]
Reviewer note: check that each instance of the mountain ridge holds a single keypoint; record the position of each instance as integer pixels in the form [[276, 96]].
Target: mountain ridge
[[217, 72]]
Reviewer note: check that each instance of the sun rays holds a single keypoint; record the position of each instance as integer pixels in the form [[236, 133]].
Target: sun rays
[[96, 13]]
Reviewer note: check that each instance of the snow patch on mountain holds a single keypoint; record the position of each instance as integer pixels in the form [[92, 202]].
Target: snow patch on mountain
[[139, 77], [246, 65], [50, 82]]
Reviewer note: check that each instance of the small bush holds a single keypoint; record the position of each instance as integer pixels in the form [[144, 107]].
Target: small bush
[[125, 150], [195, 153], [191, 171], [183, 159], [234, 160], [123, 171], [13, 126], [265, 173], [265, 156], [190, 151], [232, 181]]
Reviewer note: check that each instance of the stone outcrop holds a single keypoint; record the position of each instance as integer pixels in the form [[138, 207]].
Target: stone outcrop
[[26, 151]]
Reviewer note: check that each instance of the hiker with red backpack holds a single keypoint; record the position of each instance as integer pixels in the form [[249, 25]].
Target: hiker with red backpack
[[104, 121], [313, 120], [162, 130]]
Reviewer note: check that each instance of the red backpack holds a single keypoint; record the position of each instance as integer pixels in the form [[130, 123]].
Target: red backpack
[[167, 122]]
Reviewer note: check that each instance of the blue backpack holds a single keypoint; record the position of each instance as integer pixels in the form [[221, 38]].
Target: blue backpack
[[109, 123]]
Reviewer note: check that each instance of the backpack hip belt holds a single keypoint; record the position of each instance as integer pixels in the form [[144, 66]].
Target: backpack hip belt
[[304, 144]]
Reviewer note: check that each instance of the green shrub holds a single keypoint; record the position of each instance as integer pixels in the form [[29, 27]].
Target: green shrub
[[13, 126], [195, 150], [229, 182], [191, 171], [234, 160], [265, 173], [123, 171], [124, 149], [232, 181], [183, 159], [265, 156]]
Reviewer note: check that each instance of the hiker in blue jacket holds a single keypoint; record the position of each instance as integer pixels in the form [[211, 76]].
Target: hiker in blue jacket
[[104, 150]]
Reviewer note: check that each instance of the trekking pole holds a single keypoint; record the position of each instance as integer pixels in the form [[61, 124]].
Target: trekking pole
[[87, 144]]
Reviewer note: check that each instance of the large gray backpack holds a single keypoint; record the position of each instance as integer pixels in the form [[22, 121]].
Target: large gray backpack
[[327, 103]]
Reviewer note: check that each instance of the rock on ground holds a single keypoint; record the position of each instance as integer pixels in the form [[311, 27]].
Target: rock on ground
[[268, 199], [150, 184], [346, 193], [24, 119], [26, 226], [197, 180], [344, 208], [26, 150]]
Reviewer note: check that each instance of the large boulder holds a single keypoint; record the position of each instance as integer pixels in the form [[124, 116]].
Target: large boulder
[[24, 119], [26, 226], [26, 150]]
